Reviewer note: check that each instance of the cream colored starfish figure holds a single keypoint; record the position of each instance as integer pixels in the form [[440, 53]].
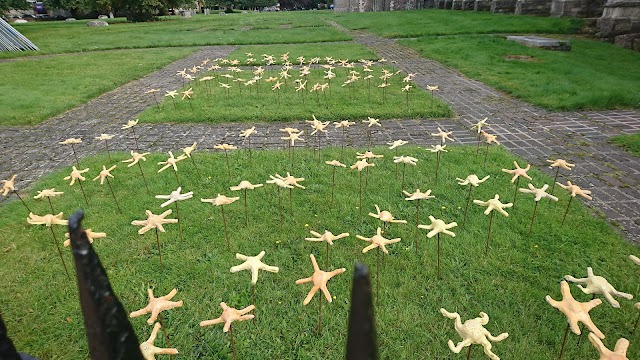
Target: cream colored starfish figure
[[248, 132], [343, 124], [130, 123], [225, 86], [432, 88], [599, 285], [397, 144], [277, 85], [490, 139], [221, 200], [479, 125], [225, 147], [438, 226], [76, 175], [104, 173], [576, 190], [245, 185], [377, 241], [473, 332], [327, 236], [438, 148], [443, 135], [289, 180], [135, 157], [361, 164], [48, 219], [405, 160], [279, 181], [157, 305], [618, 353], [171, 161], [372, 122], [368, 155], [560, 163], [149, 350], [317, 125], [253, 264], [576, 311], [293, 137], [635, 259], [230, 315], [189, 149], [172, 94], [335, 163], [187, 94], [494, 204], [319, 280], [151, 91], [154, 221], [518, 171], [385, 216], [9, 185], [540, 193], [70, 141], [407, 88], [417, 195], [91, 235], [174, 196], [49, 193], [290, 130], [104, 137], [472, 179]]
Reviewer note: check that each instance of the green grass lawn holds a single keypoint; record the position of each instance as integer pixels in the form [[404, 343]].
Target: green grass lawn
[[241, 103], [593, 75], [233, 29], [41, 309], [630, 143], [416, 23], [38, 89], [351, 51]]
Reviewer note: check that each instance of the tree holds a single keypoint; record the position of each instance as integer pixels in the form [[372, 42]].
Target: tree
[[6, 5]]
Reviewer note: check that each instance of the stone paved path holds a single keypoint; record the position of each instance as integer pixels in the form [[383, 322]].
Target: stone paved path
[[533, 133]]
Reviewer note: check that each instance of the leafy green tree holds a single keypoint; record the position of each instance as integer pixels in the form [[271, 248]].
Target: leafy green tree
[[6, 5]]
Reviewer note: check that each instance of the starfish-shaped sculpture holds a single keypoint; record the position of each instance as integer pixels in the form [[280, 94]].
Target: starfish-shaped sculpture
[[248, 132], [396, 144], [49, 193], [540, 193], [279, 181], [361, 164], [599, 285], [289, 180], [277, 85], [377, 241], [635, 259], [385, 216], [473, 332], [157, 305], [472, 179], [253, 264], [368, 155], [48, 219], [171, 161], [91, 235], [76, 175], [576, 190], [103, 137], [187, 94], [618, 353], [335, 163], [438, 148], [317, 125], [575, 311], [371, 122], [189, 149], [230, 315], [149, 350], [490, 139], [151, 91], [154, 221], [290, 130], [343, 124], [220, 200], [494, 204], [432, 88], [225, 147], [479, 125], [174, 196], [71, 141], [104, 173], [130, 123], [135, 157], [443, 135], [293, 137], [9, 185], [405, 160], [319, 279], [245, 185], [560, 163], [518, 171], [417, 195], [172, 93], [438, 226], [407, 88], [327, 236]]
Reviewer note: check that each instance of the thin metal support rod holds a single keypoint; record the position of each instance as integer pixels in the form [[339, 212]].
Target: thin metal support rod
[[378, 276], [564, 342], [469, 352], [439, 278], [59, 252], [224, 221], [159, 251], [533, 217], [175, 173], [327, 262], [360, 172], [553, 185], [195, 166], [291, 200], [417, 222], [404, 167], [319, 326], [135, 138], [246, 212], [233, 343], [106, 145], [280, 206], [51, 205], [333, 185], [164, 331], [83, 193], [114, 195], [143, 177], [437, 165], [75, 155], [486, 250], [179, 222], [227, 159], [566, 211], [467, 207], [515, 192], [25, 204]]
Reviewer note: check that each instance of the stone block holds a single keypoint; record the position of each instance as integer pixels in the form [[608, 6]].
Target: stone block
[[628, 41], [533, 7], [620, 17], [482, 5], [468, 4], [97, 23], [577, 8], [456, 5], [503, 6], [542, 42]]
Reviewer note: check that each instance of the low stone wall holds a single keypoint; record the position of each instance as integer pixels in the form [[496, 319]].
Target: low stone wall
[[503, 6], [533, 7]]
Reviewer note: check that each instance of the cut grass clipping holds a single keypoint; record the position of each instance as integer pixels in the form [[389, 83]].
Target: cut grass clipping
[[238, 98], [42, 312]]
